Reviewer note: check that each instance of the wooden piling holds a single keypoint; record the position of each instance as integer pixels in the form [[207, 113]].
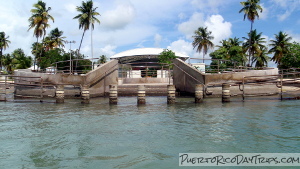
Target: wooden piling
[[171, 94], [199, 93], [141, 99], [60, 94], [85, 94], [225, 92], [113, 94]]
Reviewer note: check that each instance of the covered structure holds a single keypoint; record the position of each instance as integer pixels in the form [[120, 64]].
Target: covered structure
[[142, 55], [143, 62]]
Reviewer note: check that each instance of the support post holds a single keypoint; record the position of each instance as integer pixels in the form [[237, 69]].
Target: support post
[[141, 99], [85, 94], [225, 92], [171, 94], [113, 94], [60, 94], [198, 93]]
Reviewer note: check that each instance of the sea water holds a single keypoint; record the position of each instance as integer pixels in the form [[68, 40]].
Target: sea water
[[99, 135]]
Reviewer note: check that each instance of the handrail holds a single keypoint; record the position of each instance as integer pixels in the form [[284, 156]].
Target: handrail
[[91, 83], [204, 86]]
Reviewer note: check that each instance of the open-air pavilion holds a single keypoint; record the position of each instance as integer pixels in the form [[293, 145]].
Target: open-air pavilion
[[143, 62]]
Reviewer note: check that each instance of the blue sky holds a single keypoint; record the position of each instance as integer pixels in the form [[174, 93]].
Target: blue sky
[[129, 24]]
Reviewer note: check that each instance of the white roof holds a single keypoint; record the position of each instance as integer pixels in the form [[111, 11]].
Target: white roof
[[143, 52]]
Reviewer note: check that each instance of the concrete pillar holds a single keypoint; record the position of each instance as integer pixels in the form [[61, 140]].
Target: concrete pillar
[[171, 94], [198, 93], [113, 94], [141, 99], [85, 94], [225, 92], [60, 94]]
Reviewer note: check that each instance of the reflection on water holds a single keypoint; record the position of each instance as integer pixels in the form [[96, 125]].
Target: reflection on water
[[99, 135]]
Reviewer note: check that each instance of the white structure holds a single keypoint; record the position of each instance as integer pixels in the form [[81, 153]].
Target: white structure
[[142, 54]]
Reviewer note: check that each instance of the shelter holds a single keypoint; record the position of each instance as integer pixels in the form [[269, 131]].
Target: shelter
[[143, 62]]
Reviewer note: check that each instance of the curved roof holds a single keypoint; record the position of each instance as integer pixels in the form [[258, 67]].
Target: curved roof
[[144, 52]]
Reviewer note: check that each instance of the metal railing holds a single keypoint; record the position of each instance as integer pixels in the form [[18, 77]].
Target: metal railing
[[11, 85]]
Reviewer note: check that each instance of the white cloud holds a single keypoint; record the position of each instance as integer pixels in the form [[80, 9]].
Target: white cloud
[[157, 40], [118, 18], [265, 12], [210, 6], [183, 47], [108, 50], [70, 8], [188, 28], [288, 7], [220, 29]]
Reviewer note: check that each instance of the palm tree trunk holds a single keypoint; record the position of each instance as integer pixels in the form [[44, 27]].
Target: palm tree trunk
[[81, 42], [79, 50], [250, 43], [36, 49], [203, 57]]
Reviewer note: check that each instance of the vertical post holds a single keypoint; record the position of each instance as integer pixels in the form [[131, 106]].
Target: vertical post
[[141, 99], [281, 79], [113, 94], [60, 94], [42, 88], [171, 94], [225, 92], [243, 88], [218, 65], [198, 93], [104, 81], [85, 94], [5, 87]]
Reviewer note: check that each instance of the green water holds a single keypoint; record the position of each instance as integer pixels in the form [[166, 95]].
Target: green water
[[99, 135]]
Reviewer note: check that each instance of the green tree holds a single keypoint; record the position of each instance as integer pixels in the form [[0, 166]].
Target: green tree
[[3, 45], [102, 59], [253, 44], [39, 20], [292, 58], [166, 57], [233, 51], [37, 49], [20, 60], [52, 56], [261, 59], [202, 40], [7, 62], [280, 46], [250, 10], [54, 40], [86, 18]]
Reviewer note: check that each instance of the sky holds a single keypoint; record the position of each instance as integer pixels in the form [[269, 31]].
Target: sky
[[130, 24]]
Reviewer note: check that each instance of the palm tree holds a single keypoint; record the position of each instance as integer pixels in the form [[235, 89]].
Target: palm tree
[[202, 40], [233, 51], [261, 59], [253, 44], [7, 61], [102, 59], [86, 18], [54, 39], [20, 60], [280, 46], [3, 45], [39, 20], [250, 9]]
